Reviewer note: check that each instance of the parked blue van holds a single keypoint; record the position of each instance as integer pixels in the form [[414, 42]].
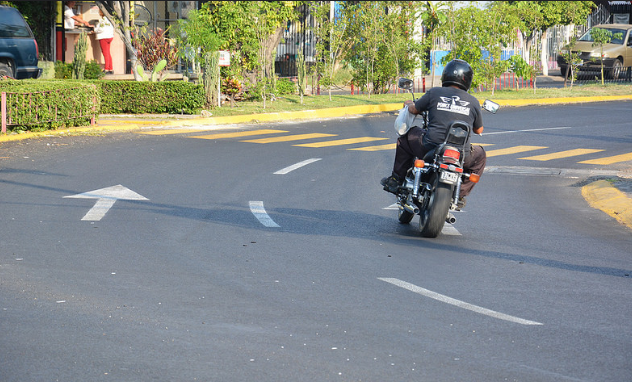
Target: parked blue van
[[18, 48]]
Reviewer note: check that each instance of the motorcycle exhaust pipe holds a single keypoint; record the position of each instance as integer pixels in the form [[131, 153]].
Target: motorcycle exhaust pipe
[[411, 209], [450, 218]]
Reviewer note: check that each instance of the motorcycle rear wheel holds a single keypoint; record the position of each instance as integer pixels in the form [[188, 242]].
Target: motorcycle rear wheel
[[432, 218]]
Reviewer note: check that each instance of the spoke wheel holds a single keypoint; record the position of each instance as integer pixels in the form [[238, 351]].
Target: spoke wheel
[[432, 218]]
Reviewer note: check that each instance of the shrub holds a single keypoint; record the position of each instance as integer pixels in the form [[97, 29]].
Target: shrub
[[154, 46], [135, 97], [93, 71], [41, 104], [45, 104], [63, 70], [231, 87], [285, 86], [255, 91]]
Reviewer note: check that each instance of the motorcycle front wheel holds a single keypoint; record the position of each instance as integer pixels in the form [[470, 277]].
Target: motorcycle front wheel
[[432, 218]]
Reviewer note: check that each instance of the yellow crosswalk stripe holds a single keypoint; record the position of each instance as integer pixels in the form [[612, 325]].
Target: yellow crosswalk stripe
[[513, 150], [610, 160], [171, 131], [239, 134], [562, 154], [390, 146], [341, 142], [289, 138]]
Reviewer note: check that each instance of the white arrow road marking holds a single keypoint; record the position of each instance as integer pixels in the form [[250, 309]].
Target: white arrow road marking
[[458, 303], [448, 229], [106, 197], [260, 213], [295, 166]]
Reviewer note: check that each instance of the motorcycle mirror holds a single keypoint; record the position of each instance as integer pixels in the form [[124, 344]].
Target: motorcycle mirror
[[405, 83], [491, 106]]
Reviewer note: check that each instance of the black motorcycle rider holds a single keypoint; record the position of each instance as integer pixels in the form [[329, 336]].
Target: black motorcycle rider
[[445, 104]]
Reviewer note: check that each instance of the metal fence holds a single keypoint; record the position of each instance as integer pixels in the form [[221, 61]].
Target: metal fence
[[618, 13], [298, 37], [585, 75]]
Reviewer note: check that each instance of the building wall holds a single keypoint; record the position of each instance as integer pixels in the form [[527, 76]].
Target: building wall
[[90, 13]]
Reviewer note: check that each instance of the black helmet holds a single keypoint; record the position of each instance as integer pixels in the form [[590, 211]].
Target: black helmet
[[459, 73]]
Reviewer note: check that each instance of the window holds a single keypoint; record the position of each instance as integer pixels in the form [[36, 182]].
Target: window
[[12, 24], [615, 39]]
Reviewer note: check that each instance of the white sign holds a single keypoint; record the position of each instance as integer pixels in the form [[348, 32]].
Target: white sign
[[224, 58]]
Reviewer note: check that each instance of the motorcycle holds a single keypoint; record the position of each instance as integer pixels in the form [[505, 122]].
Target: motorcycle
[[431, 187]]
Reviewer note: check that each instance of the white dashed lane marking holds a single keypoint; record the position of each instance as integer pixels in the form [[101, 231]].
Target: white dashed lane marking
[[256, 207], [458, 303], [297, 165]]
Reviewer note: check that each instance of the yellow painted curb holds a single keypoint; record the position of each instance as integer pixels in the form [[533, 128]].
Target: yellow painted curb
[[304, 114], [67, 131], [602, 195], [118, 125], [560, 100]]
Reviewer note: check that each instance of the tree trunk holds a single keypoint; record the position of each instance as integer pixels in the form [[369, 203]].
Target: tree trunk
[[433, 56], [528, 43], [272, 42], [544, 53]]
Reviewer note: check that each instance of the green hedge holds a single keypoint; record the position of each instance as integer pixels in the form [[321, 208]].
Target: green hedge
[[40, 105], [44, 104], [133, 97]]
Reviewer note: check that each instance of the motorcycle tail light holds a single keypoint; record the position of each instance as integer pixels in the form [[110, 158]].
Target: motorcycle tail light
[[449, 153], [475, 178], [419, 163]]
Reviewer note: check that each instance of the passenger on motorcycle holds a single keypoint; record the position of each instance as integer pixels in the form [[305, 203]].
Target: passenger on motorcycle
[[444, 105]]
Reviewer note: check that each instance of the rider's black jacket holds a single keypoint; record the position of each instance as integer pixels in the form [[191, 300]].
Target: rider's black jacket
[[446, 105]]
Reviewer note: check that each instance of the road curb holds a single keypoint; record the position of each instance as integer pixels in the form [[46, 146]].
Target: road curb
[[334, 112], [70, 131], [561, 100], [345, 111], [604, 196]]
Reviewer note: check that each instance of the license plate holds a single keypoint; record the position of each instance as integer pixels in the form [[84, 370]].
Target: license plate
[[449, 177]]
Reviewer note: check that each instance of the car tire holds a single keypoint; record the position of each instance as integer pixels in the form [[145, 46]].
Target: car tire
[[617, 69], [5, 70]]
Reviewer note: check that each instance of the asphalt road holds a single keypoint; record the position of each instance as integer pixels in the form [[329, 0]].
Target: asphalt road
[[281, 259]]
